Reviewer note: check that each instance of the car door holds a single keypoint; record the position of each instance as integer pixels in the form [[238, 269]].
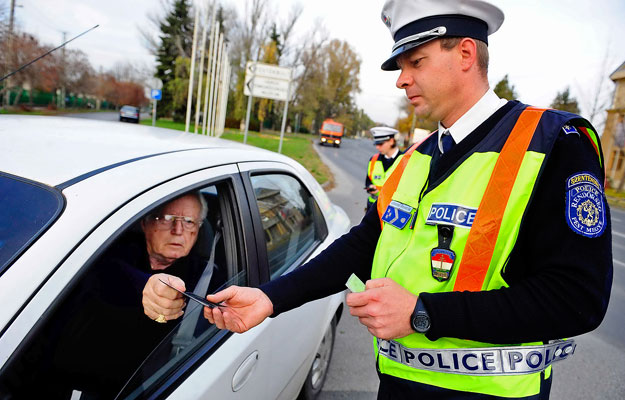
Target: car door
[[294, 230], [179, 354], [280, 351]]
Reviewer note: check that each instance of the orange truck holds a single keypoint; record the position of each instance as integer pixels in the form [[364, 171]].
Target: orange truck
[[331, 132]]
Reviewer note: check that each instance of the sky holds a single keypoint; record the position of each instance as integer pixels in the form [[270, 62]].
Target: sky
[[543, 45]]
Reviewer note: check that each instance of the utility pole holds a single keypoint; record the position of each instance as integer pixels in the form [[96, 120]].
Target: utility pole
[[7, 85], [193, 51], [11, 17], [62, 75]]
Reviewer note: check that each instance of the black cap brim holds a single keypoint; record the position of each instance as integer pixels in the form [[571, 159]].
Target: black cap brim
[[391, 63]]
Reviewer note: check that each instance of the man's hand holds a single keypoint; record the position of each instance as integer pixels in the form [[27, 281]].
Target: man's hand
[[159, 299], [384, 308], [244, 308]]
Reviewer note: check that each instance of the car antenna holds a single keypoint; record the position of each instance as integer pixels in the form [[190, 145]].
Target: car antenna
[[43, 55]]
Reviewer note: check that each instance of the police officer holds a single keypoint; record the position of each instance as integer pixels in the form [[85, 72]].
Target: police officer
[[381, 164], [489, 243]]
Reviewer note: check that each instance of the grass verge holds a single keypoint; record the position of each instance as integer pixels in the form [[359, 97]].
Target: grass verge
[[615, 198]]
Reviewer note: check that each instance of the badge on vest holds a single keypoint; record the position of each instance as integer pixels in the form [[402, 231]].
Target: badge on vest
[[397, 214], [585, 208], [376, 177], [443, 257], [442, 262]]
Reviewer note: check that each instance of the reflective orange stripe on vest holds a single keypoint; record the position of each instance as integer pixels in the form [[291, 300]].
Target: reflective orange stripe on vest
[[372, 164], [480, 245]]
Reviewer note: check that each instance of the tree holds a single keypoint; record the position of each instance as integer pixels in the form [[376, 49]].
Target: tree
[[78, 72], [271, 55], [106, 87], [328, 84], [404, 124], [597, 98], [25, 48], [504, 89], [4, 19], [565, 102], [176, 40], [131, 72]]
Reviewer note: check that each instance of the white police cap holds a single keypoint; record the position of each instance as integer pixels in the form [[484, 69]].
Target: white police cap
[[415, 22], [382, 133]]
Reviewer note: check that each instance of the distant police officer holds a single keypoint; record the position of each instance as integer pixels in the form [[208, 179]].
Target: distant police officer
[[381, 164], [491, 239]]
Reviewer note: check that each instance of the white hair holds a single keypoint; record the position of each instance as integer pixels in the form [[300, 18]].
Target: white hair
[[203, 203], [200, 198]]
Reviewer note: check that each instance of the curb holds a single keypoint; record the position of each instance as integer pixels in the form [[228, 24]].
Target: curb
[[329, 184]]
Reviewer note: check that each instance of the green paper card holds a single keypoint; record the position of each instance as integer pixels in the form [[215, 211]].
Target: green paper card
[[355, 284]]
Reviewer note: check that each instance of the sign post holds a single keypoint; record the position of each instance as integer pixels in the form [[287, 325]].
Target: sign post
[[269, 82], [155, 95]]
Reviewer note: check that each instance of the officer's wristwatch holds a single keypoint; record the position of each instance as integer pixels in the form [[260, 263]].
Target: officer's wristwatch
[[420, 320]]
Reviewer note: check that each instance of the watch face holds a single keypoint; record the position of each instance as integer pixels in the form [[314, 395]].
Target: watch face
[[421, 323]]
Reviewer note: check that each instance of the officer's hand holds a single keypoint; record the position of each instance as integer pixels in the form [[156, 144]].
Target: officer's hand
[[243, 308], [372, 190], [160, 299], [384, 308]]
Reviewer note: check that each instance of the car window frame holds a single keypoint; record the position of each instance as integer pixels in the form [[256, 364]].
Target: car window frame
[[258, 226]]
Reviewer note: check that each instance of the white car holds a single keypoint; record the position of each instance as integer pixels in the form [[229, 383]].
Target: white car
[[72, 189]]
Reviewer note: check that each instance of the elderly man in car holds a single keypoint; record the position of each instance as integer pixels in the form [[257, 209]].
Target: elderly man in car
[[169, 235]]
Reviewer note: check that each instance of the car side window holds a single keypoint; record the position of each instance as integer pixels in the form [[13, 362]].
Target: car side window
[[97, 335], [291, 219]]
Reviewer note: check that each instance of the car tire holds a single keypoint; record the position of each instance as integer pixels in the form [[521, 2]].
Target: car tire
[[319, 369]]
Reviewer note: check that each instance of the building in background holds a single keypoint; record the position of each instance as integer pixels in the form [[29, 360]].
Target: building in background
[[613, 138]]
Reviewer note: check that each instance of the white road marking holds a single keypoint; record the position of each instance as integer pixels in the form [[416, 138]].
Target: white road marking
[[617, 262]]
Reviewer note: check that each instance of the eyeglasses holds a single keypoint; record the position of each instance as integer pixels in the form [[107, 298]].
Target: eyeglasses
[[167, 221]]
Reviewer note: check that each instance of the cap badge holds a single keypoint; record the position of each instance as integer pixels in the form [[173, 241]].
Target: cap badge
[[387, 20]]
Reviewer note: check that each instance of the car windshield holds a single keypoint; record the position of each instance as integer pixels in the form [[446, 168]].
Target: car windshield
[[129, 109], [332, 127], [26, 210]]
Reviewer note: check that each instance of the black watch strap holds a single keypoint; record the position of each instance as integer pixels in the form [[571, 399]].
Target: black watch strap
[[420, 319]]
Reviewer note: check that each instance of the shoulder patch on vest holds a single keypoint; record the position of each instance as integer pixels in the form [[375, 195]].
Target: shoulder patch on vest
[[585, 207], [397, 214], [569, 129]]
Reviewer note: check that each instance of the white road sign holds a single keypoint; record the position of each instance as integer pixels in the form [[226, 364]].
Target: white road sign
[[270, 81]]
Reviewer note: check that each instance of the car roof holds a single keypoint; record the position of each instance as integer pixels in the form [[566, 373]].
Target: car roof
[[55, 150]]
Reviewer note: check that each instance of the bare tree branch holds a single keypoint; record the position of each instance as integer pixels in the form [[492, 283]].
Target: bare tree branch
[[597, 98], [149, 33]]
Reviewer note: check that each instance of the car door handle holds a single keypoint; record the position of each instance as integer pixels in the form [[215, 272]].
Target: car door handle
[[244, 372]]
